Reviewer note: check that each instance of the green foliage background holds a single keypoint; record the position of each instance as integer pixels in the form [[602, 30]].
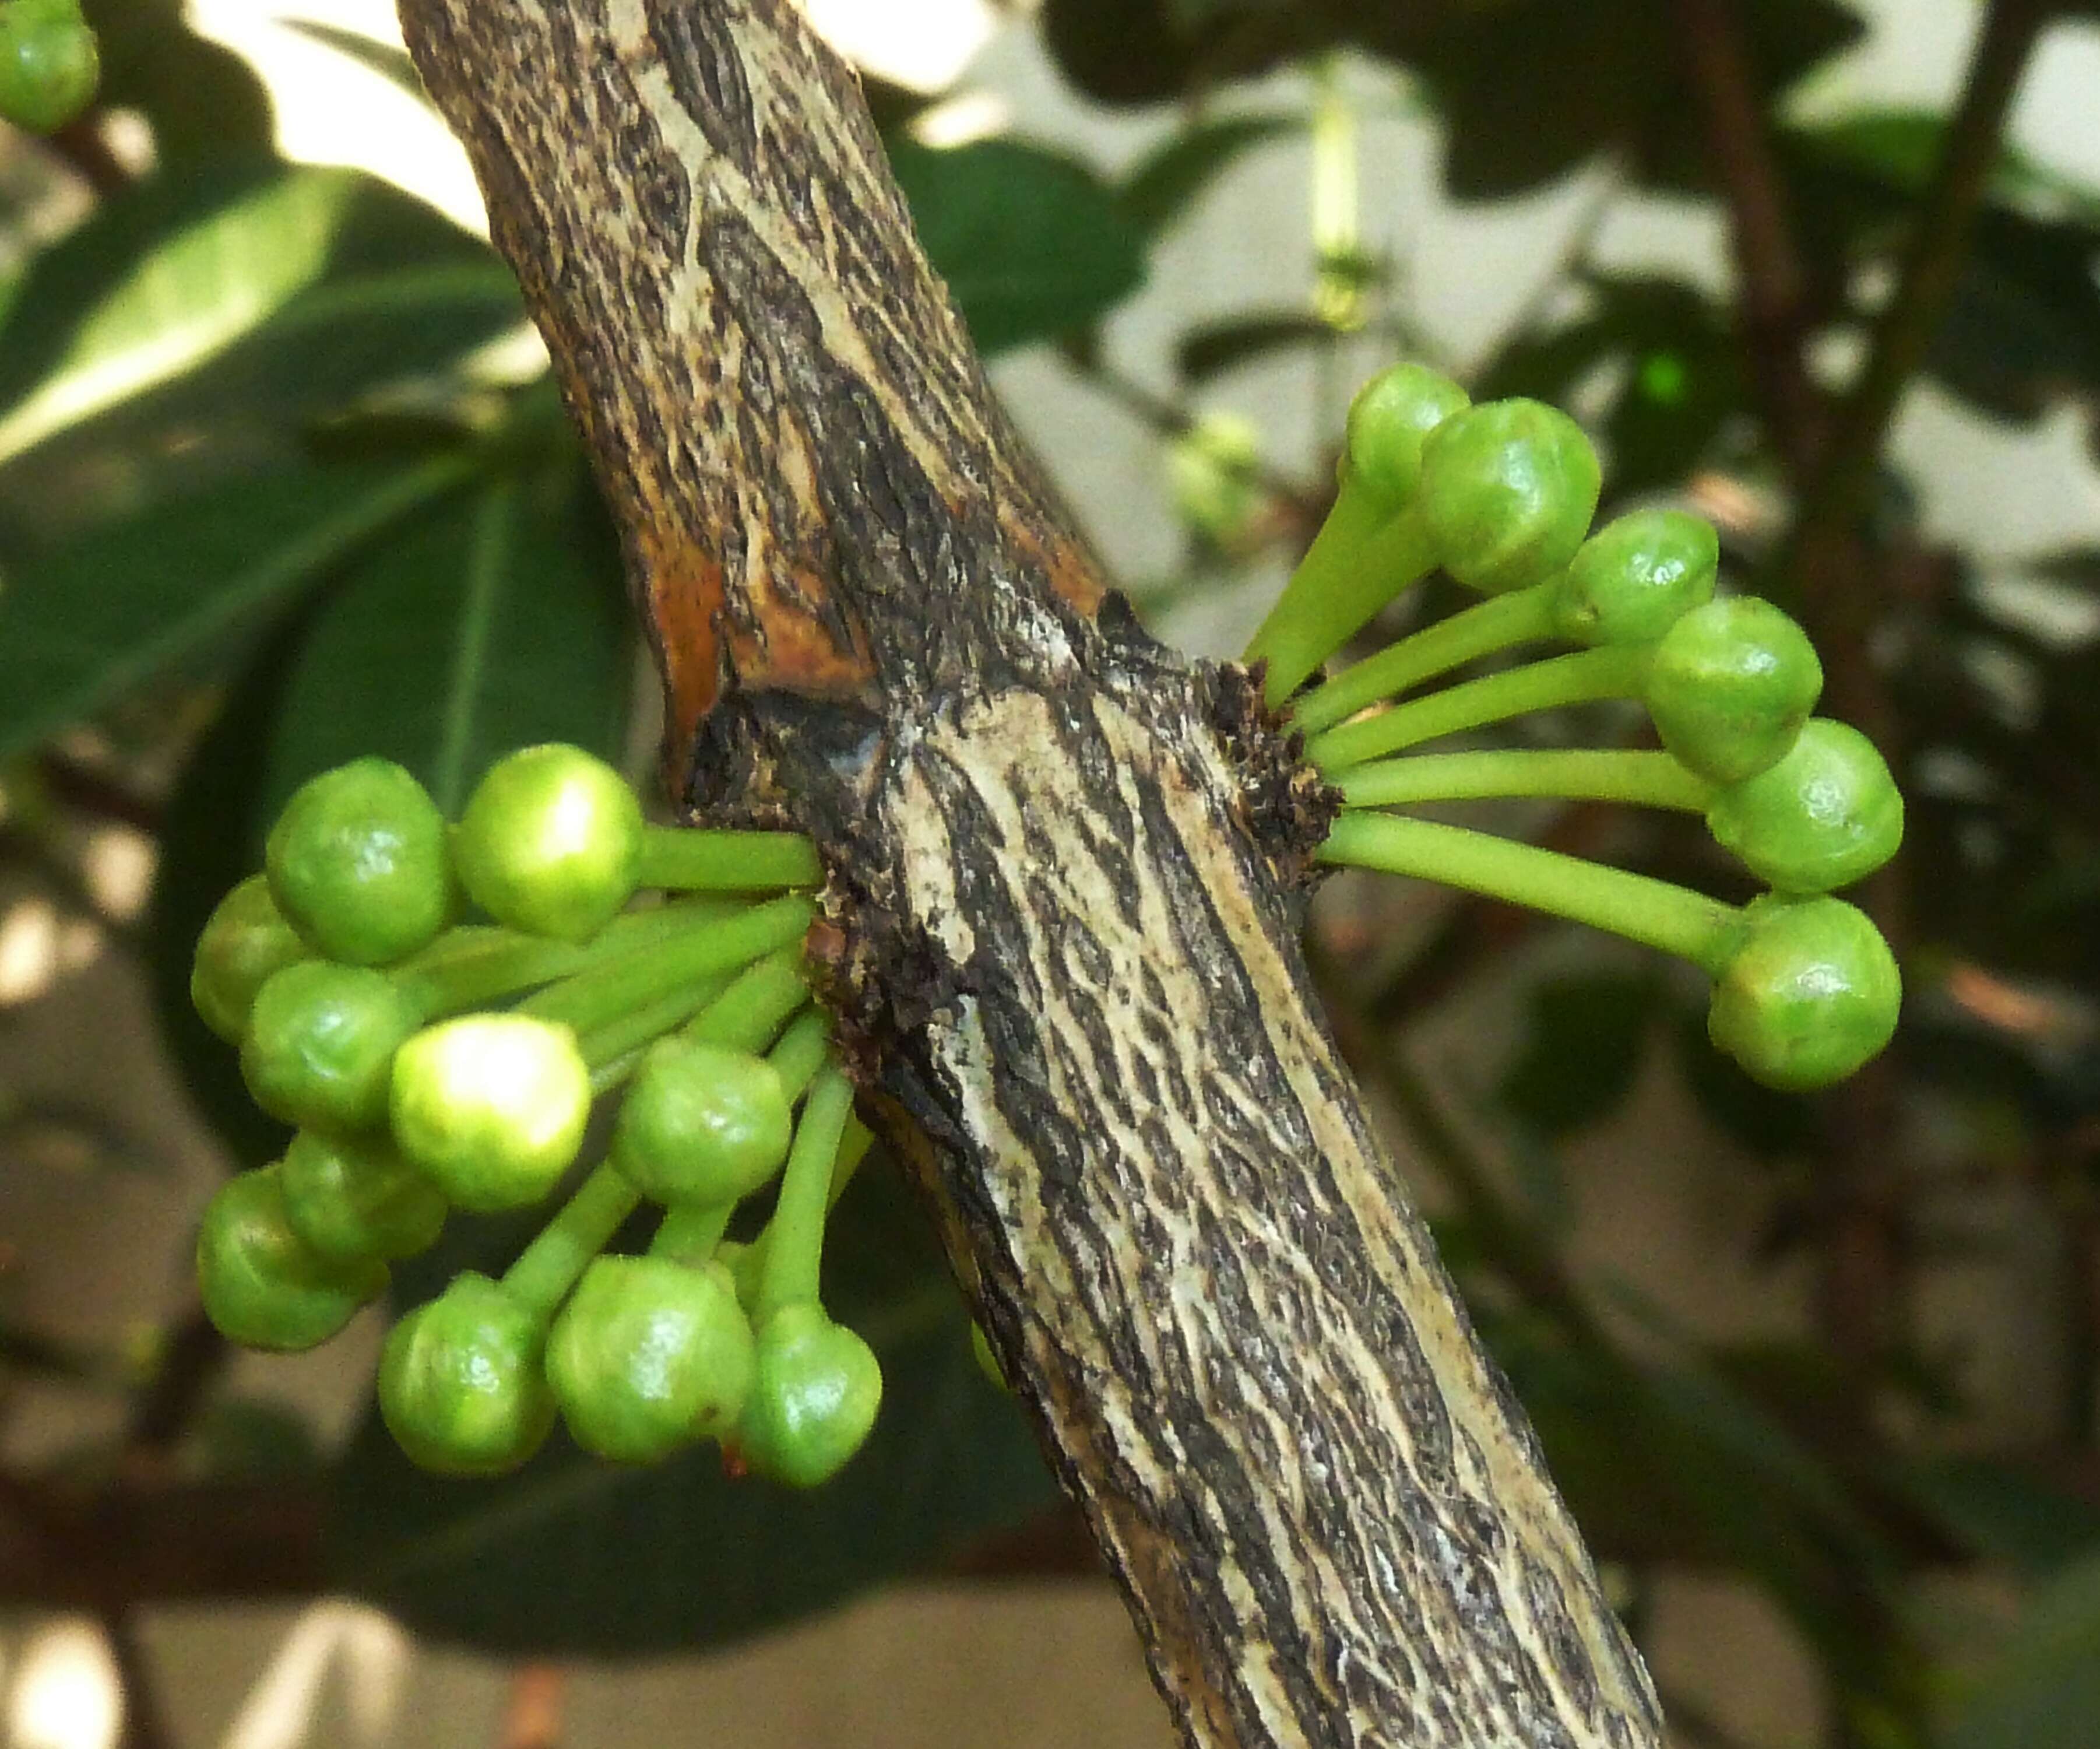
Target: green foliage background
[[264, 501]]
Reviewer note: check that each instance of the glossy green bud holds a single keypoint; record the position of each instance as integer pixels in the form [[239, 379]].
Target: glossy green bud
[[1730, 686], [1634, 578], [1388, 420], [245, 942], [358, 862], [551, 842], [649, 1356], [264, 1286], [1827, 814], [354, 1197], [1810, 994], [702, 1124], [49, 66], [460, 1385], [492, 1107], [813, 1399], [1508, 488], [320, 1044]]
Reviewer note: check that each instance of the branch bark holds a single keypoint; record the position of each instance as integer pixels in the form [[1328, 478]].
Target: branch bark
[[1066, 870]]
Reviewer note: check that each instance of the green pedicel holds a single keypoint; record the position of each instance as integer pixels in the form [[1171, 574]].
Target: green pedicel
[[1586, 677], [358, 862], [460, 1385], [1641, 778], [1373, 543], [262, 1285]]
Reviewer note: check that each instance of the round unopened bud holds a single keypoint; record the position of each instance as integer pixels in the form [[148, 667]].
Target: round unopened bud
[[1810, 994], [1635, 577], [49, 65], [702, 1124], [320, 1044], [1508, 488], [262, 1284], [551, 842], [1827, 814], [357, 861], [492, 1107], [1388, 420], [1730, 686], [245, 942], [649, 1356], [813, 1399], [352, 1198], [460, 1385]]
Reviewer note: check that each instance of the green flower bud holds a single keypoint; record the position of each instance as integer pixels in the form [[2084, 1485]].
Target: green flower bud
[[1634, 578], [1810, 994], [320, 1044], [702, 1124], [551, 842], [1508, 488], [357, 861], [649, 1355], [1730, 686], [1388, 420], [244, 943], [460, 1386], [49, 66], [264, 1286], [1827, 814], [813, 1399], [351, 1198], [492, 1107]]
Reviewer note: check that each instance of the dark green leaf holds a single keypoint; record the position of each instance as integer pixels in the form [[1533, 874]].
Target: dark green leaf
[[194, 309], [677, 1556], [1900, 148], [488, 621], [1136, 52], [1162, 185], [1532, 88], [1582, 1049], [118, 607], [2003, 1514], [1031, 243], [391, 63], [2043, 1691], [1207, 350]]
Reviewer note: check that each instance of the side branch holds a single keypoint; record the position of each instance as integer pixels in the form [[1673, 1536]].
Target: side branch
[[1064, 903]]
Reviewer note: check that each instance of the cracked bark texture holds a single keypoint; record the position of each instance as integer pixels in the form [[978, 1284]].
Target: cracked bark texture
[[1067, 884]]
